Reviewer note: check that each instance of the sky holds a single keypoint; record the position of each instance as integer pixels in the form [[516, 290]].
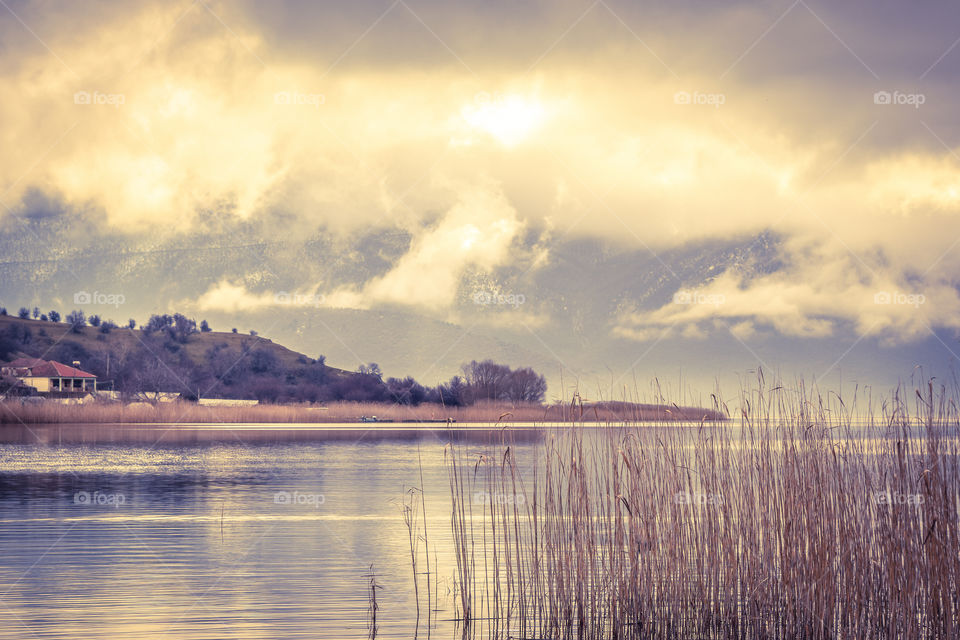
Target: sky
[[612, 190]]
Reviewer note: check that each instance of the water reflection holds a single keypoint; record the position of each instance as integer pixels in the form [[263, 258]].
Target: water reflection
[[146, 532]]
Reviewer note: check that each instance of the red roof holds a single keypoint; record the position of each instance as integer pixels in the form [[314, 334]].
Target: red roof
[[38, 368], [24, 363]]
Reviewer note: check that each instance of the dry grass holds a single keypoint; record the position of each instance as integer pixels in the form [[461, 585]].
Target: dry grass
[[796, 521], [13, 411]]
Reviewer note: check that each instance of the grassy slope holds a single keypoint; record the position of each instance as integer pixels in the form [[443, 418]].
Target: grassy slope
[[92, 340]]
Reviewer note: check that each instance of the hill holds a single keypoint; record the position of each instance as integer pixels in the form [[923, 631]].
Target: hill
[[46, 334], [212, 363], [171, 355]]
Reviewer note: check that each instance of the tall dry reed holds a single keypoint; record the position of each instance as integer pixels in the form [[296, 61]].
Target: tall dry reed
[[803, 518]]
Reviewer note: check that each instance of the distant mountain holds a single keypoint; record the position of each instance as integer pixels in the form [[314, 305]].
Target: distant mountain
[[565, 323]]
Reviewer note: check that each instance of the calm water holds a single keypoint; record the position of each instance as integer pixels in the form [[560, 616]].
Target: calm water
[[145, 532], [207, 532]]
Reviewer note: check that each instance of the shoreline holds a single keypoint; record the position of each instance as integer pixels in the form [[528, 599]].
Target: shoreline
[[362, 414]]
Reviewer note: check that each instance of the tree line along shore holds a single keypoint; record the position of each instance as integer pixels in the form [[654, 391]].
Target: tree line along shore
[[172, 357]]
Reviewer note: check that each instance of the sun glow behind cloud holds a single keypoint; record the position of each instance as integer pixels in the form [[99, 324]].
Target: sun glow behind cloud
[[397, 147], [509, 119]]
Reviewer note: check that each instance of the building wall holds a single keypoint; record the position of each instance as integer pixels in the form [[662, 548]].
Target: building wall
[[40, 384], [45, 385]]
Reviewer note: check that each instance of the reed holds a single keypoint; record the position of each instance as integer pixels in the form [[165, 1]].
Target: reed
[[804, 518], [372, 606], [102, 412]]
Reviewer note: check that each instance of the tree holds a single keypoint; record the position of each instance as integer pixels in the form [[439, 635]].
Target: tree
[[372, 369], [359, 388], [131, 324], [453, 394], [36, 313], [43, 317], [263, 361], [314, 373], [234, 330], [24, 313], [182, 328], [3, 311], [225, 365], [267, 390], [76, 320], [406, 391], [158, 323], [54, 316], [106, 326], [94, 320], [204, 327], [525, 385], [487, 380], [150, 374]]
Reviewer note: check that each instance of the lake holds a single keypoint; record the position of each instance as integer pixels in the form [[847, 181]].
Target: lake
[[201, 532], [272, 531]]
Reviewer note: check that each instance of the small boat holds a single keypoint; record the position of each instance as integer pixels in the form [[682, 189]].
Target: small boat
[[368, 419]]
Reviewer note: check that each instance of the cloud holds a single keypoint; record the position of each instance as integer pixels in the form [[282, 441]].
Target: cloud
[[233, 297], [477, 232], [156, 115], [810, 298]]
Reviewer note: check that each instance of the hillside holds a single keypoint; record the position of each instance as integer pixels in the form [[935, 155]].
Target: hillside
[[47, 334], [193, 363], [214, 364]]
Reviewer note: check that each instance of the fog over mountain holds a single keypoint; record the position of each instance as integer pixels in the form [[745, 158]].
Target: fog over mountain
[[560, 316]]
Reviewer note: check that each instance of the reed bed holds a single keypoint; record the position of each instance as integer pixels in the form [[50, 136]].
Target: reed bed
[[803, 518], [15, 411]]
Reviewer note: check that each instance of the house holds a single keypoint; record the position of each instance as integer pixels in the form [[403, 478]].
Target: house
[[50, 376]]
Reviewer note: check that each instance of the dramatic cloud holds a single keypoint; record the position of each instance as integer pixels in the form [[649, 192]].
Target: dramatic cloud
[[478, 232], [605, 120]]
